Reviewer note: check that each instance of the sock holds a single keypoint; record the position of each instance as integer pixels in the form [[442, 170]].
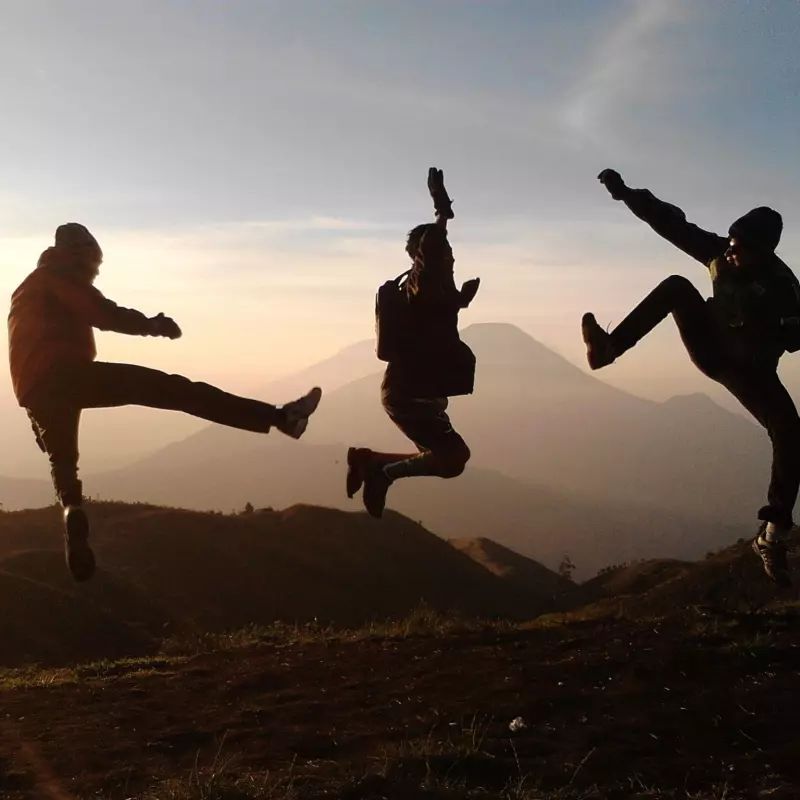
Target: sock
[[773, 533], [422, 464]]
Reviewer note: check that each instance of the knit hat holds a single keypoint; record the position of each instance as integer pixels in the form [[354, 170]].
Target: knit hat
[[761, 227], [74, 236]]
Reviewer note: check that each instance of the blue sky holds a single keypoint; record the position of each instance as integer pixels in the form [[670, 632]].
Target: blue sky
[[252, 166]]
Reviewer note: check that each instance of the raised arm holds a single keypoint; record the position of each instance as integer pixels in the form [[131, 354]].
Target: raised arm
[[89, 305], [665, 219], [435, 268]]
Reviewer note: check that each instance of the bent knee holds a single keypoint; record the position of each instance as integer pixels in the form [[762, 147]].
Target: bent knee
[[678, 284], [454, 462]]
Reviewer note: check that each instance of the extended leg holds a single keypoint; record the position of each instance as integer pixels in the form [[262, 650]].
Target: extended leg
[[104, 385], [676, 296]]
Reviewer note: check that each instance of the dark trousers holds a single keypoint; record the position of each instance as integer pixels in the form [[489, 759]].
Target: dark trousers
[[55, 406], [425, 421], [755, 384]]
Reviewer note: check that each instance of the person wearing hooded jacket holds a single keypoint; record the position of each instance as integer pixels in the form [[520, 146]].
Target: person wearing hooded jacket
[[55, 375], [736, 337]]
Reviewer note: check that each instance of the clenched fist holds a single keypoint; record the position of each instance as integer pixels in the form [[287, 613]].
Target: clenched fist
[[612, 180]]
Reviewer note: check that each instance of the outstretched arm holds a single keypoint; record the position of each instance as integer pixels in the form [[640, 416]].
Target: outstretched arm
[[665, 219], [89, 304]]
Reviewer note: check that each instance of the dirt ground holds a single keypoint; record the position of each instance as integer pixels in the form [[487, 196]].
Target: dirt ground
[[697, 707]]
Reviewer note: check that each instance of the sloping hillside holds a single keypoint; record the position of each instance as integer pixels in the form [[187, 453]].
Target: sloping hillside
[[731, 580], [524, 574], [635, 578], [163, 571], [41, 624]]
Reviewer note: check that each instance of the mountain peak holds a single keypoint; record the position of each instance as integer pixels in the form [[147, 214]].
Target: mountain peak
[[504, 330], [693, 398], [499, 343], [694, 402]]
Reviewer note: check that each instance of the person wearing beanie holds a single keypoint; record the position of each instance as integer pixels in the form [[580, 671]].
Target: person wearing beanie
[[55, 375], [427, 363], [736, 337]]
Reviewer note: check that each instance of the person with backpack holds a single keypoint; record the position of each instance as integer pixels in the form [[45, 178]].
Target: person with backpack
[[736, 337], [55, 375], [427, 363]]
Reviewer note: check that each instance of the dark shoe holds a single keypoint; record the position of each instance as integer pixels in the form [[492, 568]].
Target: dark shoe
[[80, 558], [774, 557], [376, 486], [294, 415], [599, 350], [357, 465]]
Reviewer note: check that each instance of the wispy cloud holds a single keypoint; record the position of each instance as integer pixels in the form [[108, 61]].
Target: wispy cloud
[[638, 63]]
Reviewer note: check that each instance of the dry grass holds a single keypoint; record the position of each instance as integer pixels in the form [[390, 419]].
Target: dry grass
[[223, 780], [40, 677], [422, 621]]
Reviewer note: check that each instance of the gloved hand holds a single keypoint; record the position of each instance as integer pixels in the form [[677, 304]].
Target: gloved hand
[[468, 291], [612, 180], [166, 327], [441, 200]]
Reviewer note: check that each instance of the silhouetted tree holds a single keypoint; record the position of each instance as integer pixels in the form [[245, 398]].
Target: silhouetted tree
[[566, 568], [248, 508]]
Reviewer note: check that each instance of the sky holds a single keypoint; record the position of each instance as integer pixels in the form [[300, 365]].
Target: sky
[[251, 167]]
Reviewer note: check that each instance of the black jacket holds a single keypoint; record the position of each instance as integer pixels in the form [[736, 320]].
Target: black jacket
[[435, 362], [758, 303]]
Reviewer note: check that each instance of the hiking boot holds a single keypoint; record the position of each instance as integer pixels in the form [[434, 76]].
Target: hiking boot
[[80, 558], [774, 557], [376, 486], [294, 415], [357, 465], [599, 350]]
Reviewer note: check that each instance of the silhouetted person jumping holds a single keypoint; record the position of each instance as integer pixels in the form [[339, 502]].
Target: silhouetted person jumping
[[55, 375], [736, 337], [417, 328]]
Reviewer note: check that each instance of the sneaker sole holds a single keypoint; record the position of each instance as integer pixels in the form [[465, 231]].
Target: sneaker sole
[[300, 427]]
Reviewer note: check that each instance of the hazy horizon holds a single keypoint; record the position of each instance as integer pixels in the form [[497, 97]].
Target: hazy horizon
[[252, 168]]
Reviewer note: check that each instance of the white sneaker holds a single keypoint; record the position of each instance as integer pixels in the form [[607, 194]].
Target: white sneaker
[[773, 555], [296, 414]]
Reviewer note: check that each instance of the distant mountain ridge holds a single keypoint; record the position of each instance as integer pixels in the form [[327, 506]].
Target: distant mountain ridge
[[562, 462]]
